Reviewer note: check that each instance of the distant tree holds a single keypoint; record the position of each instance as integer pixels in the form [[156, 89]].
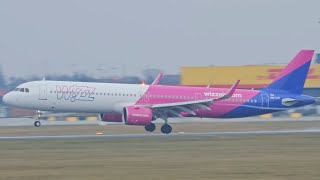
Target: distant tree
[[317, 59], [2, 79]]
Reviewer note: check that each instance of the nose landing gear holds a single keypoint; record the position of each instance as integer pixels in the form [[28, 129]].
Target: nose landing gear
[[38, 123]]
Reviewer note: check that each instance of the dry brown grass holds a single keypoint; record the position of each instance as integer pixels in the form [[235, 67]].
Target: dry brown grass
[[168, 157]]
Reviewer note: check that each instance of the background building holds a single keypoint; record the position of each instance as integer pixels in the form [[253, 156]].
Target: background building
[[251, 76], [256, 77]]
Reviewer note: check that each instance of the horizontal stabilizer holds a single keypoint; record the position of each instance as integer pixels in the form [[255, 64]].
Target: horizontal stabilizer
[[290, 101]]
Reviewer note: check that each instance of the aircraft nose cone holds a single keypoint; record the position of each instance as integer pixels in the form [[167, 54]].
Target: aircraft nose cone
[[7, 99]]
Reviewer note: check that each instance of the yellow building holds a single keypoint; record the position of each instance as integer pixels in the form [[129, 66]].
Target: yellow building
[[250, 76]]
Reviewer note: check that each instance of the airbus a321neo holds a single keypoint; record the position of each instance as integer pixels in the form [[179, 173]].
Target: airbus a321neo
[[136, 104]]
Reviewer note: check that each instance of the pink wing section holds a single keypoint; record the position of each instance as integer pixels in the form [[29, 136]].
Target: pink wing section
[[172, 94], [221, 108], [300, 59]]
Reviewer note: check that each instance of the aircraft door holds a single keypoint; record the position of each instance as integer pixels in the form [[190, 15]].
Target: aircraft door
[[43, 92], [265, 100]]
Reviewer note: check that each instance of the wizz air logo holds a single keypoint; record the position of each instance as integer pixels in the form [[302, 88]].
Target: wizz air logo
[[75, 93], [212, 94]]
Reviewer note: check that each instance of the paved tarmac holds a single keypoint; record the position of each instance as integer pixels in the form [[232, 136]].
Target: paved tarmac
[[29, 121], [206, 134]]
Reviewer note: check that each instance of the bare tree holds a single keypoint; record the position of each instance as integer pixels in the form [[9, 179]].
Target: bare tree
[[2, 79]]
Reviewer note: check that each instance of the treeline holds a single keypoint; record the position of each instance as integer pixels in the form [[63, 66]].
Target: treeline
[[148, 76]]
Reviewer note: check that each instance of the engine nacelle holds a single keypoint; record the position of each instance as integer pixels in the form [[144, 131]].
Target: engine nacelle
[[111, 117], [137, 115]]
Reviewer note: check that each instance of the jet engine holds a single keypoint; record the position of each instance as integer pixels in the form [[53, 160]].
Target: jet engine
[[137, 115], [111, 117]]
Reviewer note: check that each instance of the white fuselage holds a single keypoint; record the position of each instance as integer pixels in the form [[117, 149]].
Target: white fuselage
[[62, 96]]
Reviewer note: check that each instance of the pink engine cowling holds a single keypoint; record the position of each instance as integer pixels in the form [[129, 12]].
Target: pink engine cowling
[[137, 115], [111, 117]]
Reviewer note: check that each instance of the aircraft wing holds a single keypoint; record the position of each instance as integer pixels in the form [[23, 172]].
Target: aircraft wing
[[190, 106]]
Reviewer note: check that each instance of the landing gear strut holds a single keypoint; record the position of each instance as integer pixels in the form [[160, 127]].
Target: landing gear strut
[[165, 128], [150, 127], [38, 123]]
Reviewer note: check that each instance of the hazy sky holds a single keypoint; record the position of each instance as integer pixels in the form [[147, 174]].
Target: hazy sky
[[126, 36]]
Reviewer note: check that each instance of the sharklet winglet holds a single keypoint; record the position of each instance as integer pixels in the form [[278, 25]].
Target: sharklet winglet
[[231, 91]]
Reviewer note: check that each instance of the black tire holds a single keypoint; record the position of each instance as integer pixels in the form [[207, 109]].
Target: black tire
[[166, 129], [150, 127], [37, 123]]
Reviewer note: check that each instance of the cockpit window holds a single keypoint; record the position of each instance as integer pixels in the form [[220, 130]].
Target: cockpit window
[[22, 89]]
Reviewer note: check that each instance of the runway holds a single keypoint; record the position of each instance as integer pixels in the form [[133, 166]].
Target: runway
[[207, 134], [4, 122]]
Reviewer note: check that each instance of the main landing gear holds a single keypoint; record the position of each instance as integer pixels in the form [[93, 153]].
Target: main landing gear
[[150, 127], [38, 123], [166, 128]]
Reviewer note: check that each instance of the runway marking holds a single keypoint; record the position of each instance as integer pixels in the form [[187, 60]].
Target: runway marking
[[230, 133]]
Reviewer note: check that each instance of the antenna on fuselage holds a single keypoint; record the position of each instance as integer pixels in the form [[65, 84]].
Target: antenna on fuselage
[[44, 78]]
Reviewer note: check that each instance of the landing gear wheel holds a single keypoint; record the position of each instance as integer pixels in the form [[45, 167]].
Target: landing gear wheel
[[150, 127], [166, 129], [37, 123]]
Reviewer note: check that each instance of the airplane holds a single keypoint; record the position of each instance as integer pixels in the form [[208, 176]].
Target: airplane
[[140, 104]]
